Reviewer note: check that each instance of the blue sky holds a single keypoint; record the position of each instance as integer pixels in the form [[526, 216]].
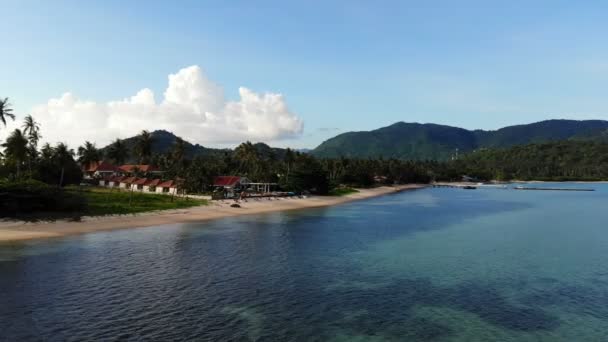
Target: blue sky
[[340, 65]]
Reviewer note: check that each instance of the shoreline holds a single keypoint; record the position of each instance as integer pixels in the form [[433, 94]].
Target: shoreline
[[14, 231]]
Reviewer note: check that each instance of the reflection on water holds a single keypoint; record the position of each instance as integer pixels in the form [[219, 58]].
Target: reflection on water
[[433, 264]]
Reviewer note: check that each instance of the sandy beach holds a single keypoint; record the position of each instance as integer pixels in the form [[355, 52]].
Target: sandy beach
[[20, 230]]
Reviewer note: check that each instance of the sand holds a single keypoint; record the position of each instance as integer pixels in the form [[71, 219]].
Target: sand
[[20, 230]]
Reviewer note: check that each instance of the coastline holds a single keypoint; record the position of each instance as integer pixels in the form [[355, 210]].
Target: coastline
[[13, 231]]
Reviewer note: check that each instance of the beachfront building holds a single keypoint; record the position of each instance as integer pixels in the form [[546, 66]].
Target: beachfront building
[[230, 185], [100, 169], [126, 182], [113, 181], [167, 187], [142, 169], [150, 185], [138, 184]]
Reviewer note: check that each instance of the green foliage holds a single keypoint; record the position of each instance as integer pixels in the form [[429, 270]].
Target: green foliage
[[413, 141], [24, 198]]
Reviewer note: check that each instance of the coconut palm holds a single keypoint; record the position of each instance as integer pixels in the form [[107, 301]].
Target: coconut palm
[[15, 149], [118, 151], [63, 155], [143, 146], [32, 130], [5, 110], [88, 154]]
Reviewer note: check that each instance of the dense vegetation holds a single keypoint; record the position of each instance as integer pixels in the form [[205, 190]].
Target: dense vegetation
[[413, 141], [24, 198], [558, 161]]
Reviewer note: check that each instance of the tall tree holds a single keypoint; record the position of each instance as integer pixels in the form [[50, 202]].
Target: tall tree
[[5, 110], [88, 154], [143, 147], [247, 157], [15, 149], [31, 129], [118, 152], [64, 156]]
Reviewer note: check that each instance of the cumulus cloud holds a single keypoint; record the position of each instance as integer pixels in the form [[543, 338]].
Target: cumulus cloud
[[192, 107]]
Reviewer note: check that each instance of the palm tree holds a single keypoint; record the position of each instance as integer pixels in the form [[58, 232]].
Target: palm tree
[[63, 155], [88, 154], [32, 129], [143, 146], [5, 110], [118, 152], [15, 149], [247, 156]]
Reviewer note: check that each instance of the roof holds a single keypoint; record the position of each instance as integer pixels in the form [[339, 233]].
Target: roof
[[140, 181], [226, 180], [117, 178], [128, 180], [101, 166], [142, 168], [152, 182], [168, 184]]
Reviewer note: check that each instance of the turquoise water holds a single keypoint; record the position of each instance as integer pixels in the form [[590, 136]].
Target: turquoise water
[[426, 265]]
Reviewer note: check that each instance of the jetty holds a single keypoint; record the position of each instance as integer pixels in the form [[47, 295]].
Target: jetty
[[552, 189]]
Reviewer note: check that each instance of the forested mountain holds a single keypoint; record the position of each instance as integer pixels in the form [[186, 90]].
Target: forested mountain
[[438, 142], [163, 142]]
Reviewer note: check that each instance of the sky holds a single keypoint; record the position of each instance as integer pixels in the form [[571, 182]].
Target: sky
[[295, 73]]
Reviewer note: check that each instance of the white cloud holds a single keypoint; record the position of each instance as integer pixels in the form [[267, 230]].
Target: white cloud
[[193, 107]]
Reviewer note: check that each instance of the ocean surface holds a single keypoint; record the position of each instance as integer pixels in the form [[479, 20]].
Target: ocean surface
[[426, 265]]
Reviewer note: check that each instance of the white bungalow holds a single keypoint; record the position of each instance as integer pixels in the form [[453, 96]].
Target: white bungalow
[[150, 185], [126, 182], [167, 187]]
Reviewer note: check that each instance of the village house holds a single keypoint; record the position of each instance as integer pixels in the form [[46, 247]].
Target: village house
[[138, 184], [150, 185], [167, 187], [99, 169], [126, 182], [230, 184], [114, 181]]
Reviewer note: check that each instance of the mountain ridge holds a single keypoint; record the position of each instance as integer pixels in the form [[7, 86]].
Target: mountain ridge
[[421, 141]]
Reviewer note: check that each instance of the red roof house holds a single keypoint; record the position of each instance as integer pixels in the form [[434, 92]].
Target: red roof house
[[100, 168], [227, 181]]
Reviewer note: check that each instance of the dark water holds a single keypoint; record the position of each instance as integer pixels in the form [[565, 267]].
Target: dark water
[[428, 265]]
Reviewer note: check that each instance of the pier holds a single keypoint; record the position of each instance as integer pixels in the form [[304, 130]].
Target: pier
[[551, 189]]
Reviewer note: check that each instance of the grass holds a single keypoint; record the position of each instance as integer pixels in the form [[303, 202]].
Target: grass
[[103, 201], [342, 191]]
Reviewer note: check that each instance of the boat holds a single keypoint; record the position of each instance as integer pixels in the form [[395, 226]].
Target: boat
[[469, 187]]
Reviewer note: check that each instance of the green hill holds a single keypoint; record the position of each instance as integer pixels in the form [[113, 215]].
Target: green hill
[[163, 141], [430, 141]]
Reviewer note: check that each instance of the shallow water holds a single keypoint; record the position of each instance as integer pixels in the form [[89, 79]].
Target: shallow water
[[432, 264]]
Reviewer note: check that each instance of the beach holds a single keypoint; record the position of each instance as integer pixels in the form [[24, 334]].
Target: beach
[[20, 230]]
